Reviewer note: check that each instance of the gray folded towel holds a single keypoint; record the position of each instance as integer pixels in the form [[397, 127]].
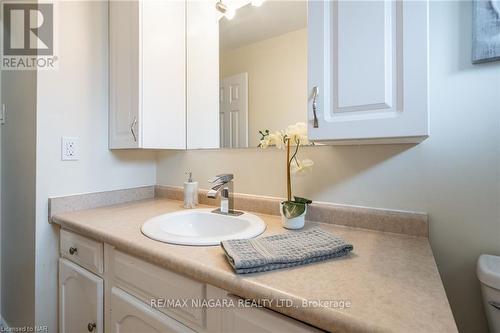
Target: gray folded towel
[[284, 250]]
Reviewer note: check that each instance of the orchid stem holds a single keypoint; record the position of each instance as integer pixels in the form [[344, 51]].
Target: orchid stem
[[288, 165], [288, 178], [294, 156]]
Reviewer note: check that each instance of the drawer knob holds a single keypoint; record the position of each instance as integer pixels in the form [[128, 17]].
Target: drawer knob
[[91, 327], [73, 250]]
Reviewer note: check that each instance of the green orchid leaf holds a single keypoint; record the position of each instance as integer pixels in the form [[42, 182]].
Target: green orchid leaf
[[302, 200], [293, 209]]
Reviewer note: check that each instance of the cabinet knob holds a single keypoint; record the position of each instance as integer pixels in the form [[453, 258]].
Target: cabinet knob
[[73, 250], [315, 106], [91, 327]]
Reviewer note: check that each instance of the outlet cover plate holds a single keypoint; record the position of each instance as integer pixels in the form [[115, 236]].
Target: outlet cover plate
[[69, 149]]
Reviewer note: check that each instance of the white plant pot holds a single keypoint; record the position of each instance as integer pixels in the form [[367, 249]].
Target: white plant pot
[[295, 223]]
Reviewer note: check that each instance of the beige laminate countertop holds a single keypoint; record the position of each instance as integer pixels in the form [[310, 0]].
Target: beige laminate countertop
[[390, 280]]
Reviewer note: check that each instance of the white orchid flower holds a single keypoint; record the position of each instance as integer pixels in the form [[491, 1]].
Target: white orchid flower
[[297, 133], [276, 139]]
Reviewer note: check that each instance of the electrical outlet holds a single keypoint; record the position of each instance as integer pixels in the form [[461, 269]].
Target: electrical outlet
[[69, 149]]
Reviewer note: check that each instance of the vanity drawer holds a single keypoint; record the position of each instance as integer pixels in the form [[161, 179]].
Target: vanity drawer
[[82, 251], [149, 282]]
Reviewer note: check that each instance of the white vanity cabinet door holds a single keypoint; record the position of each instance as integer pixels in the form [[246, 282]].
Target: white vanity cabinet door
[[369, 60], [251, 319], [80, 299], [147, 74], [130, 315]]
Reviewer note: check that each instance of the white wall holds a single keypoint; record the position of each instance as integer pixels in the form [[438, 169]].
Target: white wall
[[453, 175], [18, 198], [73, 101], [18, 91]]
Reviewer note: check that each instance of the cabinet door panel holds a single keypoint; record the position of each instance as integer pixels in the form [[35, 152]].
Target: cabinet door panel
[[129, 315], [124, 75], [146, 281], [202, 75], [369, 60], [163, 43], [80, 299], [147, 74], [250, 320]]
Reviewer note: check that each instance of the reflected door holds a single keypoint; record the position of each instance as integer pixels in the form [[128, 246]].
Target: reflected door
[[234, 111]]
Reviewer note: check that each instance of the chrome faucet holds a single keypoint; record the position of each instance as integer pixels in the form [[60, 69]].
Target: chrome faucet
[[223, 184]]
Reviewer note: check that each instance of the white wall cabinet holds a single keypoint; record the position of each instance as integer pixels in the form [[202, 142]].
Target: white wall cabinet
[[80, 299], [156, 60], [147, 74], [369, 62]]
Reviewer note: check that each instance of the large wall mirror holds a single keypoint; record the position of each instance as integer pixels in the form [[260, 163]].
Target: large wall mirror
[[262, 70]]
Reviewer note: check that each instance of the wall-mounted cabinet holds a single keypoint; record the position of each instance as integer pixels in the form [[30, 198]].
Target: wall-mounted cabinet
[[148, 70], [173, 66], [147, 74], [368, 61]]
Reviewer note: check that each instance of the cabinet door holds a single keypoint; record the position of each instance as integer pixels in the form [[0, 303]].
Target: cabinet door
[[250, 320], [202, 74], [369, 62], [80, 299], [124, 75], [147, 81], [130, 315], [163, 43]]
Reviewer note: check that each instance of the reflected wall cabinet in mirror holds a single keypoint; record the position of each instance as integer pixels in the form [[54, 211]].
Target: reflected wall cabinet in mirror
[[215, 74]]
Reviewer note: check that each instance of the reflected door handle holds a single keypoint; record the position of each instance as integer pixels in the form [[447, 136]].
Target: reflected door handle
[[315, 106]]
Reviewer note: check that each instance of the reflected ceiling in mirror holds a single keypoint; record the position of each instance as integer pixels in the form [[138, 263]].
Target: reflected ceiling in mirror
[[262, 70]]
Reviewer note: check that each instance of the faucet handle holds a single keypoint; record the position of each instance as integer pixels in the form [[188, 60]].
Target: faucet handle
[[223, 178]]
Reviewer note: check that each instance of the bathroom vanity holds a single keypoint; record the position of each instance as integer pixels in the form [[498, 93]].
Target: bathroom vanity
[[112, 278], [127, 294]]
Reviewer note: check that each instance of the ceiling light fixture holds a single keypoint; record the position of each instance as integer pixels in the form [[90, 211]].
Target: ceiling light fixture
[[227, 10]]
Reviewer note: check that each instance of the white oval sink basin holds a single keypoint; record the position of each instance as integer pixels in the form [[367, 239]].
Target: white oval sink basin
[[202, 227]]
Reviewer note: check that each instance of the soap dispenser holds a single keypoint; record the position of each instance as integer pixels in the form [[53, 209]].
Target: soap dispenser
[[190, 192]]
